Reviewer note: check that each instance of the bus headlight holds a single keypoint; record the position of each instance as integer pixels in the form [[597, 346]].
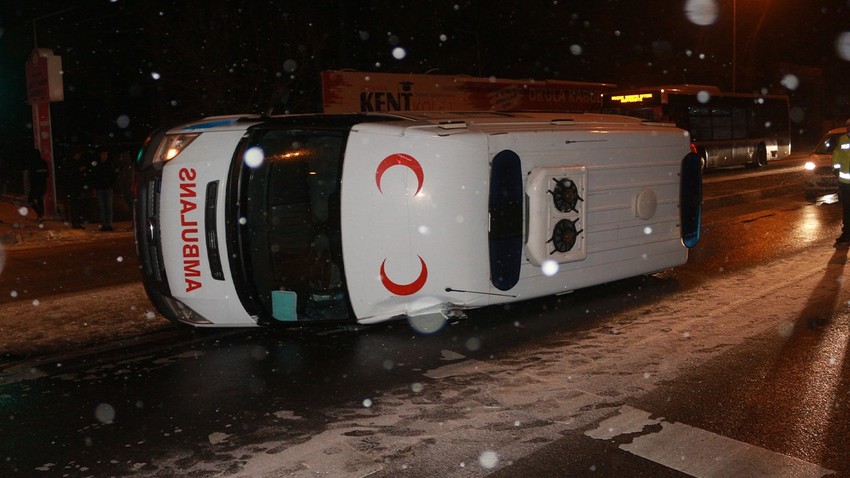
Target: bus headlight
[[172, 145]]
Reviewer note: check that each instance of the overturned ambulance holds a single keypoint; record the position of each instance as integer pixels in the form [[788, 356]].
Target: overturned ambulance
[[251, 220]]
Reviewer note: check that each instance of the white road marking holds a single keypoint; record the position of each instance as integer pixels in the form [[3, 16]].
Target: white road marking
[[698, 452]]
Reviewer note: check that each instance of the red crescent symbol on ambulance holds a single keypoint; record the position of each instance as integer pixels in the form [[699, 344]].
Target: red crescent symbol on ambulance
[[400, 159], [405, 289]]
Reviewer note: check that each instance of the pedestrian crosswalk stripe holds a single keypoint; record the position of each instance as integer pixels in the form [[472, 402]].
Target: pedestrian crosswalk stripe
[[695, 451]]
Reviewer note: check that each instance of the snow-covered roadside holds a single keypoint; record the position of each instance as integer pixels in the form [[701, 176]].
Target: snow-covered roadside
[[68, 323], [471, 416]]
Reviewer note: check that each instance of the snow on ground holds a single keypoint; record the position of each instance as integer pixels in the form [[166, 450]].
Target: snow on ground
[[76, 321], [470, 417]]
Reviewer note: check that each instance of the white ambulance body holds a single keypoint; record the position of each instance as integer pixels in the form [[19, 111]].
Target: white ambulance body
[[253, 221]]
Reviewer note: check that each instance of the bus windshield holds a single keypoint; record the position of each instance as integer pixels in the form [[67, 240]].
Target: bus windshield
[[289, 220]]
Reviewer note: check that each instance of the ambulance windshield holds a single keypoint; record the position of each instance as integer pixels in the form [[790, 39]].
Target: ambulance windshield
[[289, 222]]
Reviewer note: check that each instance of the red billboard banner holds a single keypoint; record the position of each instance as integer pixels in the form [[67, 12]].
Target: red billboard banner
[[353, 91], [44, 77]]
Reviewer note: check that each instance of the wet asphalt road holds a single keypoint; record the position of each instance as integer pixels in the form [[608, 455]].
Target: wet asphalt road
[[198, 400]]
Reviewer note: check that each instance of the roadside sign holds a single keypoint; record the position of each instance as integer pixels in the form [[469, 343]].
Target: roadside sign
[[355, 91], [44, 85]]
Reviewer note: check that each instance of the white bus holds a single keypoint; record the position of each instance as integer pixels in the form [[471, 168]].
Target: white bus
[[250, 220], [727, 129]]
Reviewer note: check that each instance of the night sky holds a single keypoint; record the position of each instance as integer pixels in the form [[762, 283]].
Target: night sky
[[130, 66]]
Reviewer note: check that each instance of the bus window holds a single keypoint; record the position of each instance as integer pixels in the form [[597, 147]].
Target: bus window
[[699, 119], [721, 124], [739, 123]]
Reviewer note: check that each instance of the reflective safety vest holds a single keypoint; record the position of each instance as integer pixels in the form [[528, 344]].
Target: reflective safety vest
[[841, 158]]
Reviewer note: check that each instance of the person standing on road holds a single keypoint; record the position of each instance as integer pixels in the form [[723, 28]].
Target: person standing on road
[[37, 172], [841, 160], [103, 178]]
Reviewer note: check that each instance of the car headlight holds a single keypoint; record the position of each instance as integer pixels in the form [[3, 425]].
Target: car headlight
[[810, 166], [172, 145]]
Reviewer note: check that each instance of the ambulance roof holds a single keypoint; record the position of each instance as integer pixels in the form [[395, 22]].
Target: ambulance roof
[[472, 121]]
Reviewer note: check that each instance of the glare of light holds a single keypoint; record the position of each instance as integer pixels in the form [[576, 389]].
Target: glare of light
[[810, 166], [123, 121], [444, 37], [104, 413], [399, 53], [798, 114], [647, 230], [254, 157], [367, 403], [488, 459], [290, 66], [549, 267], [785, 329], [424, 230], [473, 344], [790, 81], [808, 228], [427, 323], [23, 211], [701, 12], [575, 50], [842, 46], [155, 75], [417, 387], [703, 96]]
